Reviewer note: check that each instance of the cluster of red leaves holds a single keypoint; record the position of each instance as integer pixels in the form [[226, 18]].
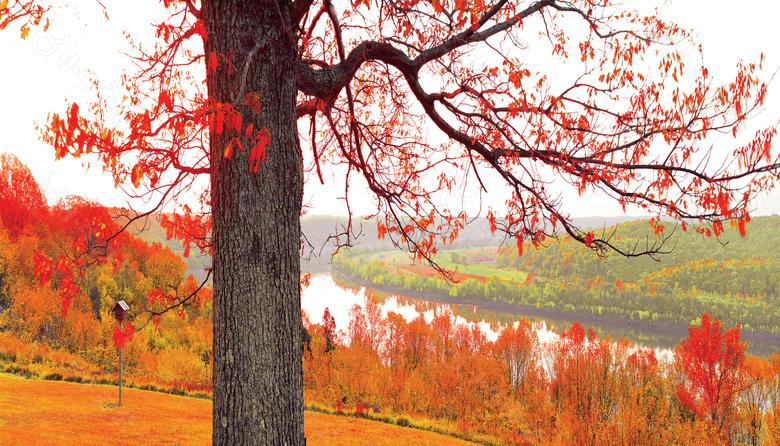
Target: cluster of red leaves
[[305, 280], [189, 228], [90, 236], [44, 267], [156, 295], [123, 335]]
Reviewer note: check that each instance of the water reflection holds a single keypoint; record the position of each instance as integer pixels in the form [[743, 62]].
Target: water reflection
[[340, 295], [324, 292]]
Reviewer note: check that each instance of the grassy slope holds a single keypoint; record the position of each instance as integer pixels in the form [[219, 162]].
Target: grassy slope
[[62, 413]]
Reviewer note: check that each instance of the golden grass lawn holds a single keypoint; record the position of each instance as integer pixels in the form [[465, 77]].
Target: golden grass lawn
[[61, 413]]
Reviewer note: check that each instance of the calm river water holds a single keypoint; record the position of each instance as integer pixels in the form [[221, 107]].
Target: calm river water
[[338, 296]]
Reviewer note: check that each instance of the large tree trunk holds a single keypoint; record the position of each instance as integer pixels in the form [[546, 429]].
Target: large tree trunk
[[258, 372]]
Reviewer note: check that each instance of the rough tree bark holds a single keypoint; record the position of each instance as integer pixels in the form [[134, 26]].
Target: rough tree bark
[[256, 233]]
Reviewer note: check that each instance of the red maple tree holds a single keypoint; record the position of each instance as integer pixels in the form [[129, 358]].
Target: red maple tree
[[711, 359]]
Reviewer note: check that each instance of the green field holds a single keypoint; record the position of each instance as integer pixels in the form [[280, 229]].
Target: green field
[[443, 259]]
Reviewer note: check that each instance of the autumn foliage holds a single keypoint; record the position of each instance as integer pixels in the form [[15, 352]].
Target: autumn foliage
[[576, 389], [712, 360], [63, 271]]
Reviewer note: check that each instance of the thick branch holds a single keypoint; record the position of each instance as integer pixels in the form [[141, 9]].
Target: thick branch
[[327, 83]]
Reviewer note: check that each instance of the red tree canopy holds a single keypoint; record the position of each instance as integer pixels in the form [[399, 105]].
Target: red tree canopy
[[20, 195], [711, 359]]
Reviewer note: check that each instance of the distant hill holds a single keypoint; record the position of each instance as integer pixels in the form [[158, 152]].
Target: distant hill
[[323, 233]]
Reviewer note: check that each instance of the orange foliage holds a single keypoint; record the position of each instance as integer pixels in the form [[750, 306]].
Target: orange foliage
[[35, 313], [578, 389]]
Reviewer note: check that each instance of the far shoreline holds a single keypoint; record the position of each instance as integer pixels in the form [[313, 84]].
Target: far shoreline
[[766, 343]]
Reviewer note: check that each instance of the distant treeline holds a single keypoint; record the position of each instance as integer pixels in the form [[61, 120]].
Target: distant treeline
[[322, 234]]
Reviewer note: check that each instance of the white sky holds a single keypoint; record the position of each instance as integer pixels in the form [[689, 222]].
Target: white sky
[[40, 73]]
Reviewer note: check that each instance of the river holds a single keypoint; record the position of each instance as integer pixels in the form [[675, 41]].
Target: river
[[339, 295]]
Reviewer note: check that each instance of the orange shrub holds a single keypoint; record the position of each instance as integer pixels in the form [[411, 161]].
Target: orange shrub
[[181, 366], [34, 314]]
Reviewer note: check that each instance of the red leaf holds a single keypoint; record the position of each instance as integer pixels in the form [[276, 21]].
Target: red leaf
[[200, 30], [257, 156], [138, 173], [213, 62], [65, 304], [589, 239], [253, 100], [228, 153], [492, 220], [742, 231], [73, 119]]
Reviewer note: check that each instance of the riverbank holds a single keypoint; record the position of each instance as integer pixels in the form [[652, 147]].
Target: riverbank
[[667, 334]]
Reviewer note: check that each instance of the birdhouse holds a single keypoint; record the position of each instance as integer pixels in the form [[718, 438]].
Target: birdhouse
[[120, 309]]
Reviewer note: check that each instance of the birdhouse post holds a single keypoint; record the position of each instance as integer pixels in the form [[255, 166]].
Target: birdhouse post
[[120, 311]]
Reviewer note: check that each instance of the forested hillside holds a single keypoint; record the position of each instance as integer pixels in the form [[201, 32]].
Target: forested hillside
[[64, 266], [732, 277]]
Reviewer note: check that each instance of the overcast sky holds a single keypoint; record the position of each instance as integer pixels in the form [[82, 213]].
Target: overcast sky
[[40, 73]]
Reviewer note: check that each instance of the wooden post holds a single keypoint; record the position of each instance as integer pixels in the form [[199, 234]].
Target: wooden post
[[120, 310], [120, 376]]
